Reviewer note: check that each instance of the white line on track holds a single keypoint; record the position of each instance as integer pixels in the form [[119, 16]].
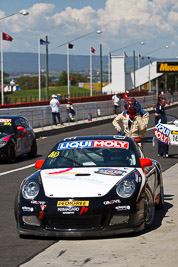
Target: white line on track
[[19, 169], [149, 129]]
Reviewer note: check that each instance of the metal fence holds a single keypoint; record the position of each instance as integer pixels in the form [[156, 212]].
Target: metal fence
[[40, 116]]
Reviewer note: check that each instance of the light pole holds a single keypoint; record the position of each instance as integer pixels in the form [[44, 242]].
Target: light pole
[[24, 13], [101, 70], [69, 42]]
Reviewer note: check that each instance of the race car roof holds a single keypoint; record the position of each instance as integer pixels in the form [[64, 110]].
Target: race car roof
[[98, 137]]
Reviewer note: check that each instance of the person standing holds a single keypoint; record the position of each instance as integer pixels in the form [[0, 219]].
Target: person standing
[[134, 120], [55, 108], [69, 108], [12, 83], [160, 116], [116, 103]]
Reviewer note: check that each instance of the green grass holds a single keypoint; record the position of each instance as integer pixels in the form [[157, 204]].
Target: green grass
[[32, 95]]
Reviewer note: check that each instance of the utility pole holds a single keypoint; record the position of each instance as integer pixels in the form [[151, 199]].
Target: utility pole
[[47, 89], [101, 70]]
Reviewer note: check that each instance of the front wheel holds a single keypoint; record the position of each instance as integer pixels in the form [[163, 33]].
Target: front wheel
[[11, 153], [161, 200], [149, 208], [33, 152]]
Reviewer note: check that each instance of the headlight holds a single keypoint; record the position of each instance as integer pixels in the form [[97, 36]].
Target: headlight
[[30, 190], [126, 188], [2, 142]]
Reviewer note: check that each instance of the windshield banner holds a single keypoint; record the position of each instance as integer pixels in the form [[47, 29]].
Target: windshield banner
[[93, 144]]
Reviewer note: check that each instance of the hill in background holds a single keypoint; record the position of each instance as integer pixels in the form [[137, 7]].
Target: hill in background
[[24, 63]]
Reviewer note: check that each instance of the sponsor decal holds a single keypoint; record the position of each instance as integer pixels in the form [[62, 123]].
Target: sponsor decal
[[43, 207], [72, 203], [167, 67], [30, 209], [83, 209], [108, 171], [120, 208], [68, 210], [162, 133], [96, 143], [5, 120], [63, 171], [36, 202], [54, 154], [175, 138], [174, 132], [137, 177], [111, 202]]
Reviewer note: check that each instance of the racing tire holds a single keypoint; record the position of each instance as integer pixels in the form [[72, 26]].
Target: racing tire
[[161, 201], [11, 153], [33, 152], [149, 208], [16, 207]]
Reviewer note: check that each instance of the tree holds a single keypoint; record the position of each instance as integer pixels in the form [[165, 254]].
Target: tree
[[31, 82], [75, 78], [62, 78]]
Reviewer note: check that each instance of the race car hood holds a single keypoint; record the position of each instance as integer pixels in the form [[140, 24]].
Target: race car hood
[[3, 134], [81, 182]]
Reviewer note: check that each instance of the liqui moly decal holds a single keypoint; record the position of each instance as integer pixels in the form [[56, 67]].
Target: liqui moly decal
[[95, 143], [162, 133]]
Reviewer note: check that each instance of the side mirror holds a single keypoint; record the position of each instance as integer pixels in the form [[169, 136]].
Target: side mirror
[[145, 162], [39, 163], [20, 128]]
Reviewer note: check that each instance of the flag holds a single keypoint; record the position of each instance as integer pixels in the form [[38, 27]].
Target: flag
[[140, 56], [149, 60], [125, 55], [92, 50], [43, 42], [70, 45], [6, 37]]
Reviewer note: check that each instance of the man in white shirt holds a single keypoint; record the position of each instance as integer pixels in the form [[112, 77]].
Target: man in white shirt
[[116, 103], [55, 107]]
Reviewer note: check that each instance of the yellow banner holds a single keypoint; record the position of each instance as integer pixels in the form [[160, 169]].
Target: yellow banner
[[95, 86], [72, 203]]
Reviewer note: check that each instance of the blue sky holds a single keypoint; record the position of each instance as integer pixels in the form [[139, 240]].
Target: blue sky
[[123, 24]]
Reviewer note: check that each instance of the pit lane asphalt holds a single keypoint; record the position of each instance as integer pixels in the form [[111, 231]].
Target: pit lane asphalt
[[154, 247], [9, 183]]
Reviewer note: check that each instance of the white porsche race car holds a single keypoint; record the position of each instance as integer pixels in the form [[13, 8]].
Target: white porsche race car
[[168, 133]]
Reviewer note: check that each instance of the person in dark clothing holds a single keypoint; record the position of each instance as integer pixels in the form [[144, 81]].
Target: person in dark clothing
[[69, 108], [160, 116]]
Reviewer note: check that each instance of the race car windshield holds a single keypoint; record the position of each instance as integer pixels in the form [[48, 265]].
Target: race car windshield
[[91, 157], [6, 127]]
